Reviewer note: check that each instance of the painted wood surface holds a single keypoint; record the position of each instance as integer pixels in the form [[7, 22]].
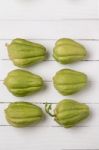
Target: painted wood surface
[[44, 21]]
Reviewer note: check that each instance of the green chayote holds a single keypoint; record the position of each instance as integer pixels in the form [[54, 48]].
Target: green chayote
[[68, 81], [68, 112], [68, 51], [22, 114], [24, 53], [22, 83]]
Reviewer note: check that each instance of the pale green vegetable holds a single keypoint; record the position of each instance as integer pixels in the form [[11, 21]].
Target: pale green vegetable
[[67, 81], [68, 112], [67, 51], [24, 53], [22, 83], [22, 114]]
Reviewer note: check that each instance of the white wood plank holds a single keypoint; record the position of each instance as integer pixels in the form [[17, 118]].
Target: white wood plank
[[91, 46], [45, 21], [45, 9], [49, 138], [83, 29], [89, 94], [47, 69], [91, 121]]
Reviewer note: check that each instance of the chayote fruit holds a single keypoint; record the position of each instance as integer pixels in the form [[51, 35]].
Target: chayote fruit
[[22, 114], [68, 51], [22, 83], [68, 112], [68, 81], [25, 53]]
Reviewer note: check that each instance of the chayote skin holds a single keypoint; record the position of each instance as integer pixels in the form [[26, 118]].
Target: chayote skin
[[22, 83], [22, 114], [67, 51], [67, 81], [68, 112], [24, 53]]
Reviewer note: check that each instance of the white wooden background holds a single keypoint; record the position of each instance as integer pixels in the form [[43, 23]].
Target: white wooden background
[[45, 21]]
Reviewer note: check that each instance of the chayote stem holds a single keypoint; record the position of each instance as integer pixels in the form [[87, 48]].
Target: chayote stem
[[48, 107]]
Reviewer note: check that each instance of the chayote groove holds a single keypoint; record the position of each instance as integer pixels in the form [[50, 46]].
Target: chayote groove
[[24, 53], [68, 112], [68, 51], [23, 83], [22, 114], [68, 81]]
